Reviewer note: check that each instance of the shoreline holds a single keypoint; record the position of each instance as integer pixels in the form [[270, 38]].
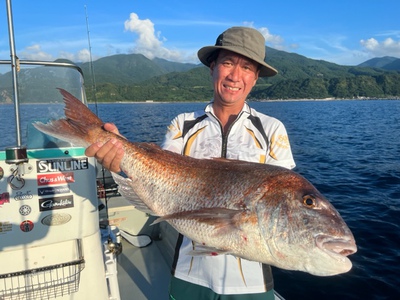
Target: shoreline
[[248, 100]]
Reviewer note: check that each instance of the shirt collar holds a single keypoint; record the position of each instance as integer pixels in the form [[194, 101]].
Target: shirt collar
[[246, 108]]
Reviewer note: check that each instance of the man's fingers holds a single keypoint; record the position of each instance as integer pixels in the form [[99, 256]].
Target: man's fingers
[[109, 155], [116, 162], [111, 127], [92, 149]]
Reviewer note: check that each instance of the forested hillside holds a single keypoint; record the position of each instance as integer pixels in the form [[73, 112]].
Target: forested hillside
[[133, 77], [299, 78]]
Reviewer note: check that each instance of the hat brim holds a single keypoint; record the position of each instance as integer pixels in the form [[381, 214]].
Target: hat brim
[[265, 69]]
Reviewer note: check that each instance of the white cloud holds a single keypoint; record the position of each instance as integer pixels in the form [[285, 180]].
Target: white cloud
[[35, 52], [271, 40], [83, 55], [276, 41], [388, 47], [149, 42]]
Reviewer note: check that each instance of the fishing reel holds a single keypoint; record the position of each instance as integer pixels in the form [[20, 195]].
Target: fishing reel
[[114, 247]]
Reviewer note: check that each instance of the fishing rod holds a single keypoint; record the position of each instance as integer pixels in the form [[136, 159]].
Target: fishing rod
[[113, 246], [91, 62]]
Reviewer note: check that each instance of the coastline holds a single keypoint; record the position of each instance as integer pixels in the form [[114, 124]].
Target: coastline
[[188, 101], [249, 100]]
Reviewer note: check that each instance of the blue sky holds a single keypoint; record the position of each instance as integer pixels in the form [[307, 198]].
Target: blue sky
[[346, 32]]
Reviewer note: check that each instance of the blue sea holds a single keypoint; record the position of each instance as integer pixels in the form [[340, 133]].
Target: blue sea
[[350, 150]]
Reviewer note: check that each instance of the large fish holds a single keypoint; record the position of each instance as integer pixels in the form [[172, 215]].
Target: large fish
[[254, 211]]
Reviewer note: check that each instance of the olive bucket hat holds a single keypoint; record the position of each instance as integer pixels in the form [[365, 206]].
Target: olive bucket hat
[[245, 41]]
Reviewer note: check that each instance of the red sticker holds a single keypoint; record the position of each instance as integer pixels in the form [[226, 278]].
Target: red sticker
[[26, 226], [55, 178], [4, 198]]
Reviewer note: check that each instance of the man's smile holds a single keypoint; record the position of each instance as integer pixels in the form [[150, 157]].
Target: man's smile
[[231, 88]]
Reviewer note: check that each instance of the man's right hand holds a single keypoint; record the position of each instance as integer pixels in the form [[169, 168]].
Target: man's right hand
[[109, 154]]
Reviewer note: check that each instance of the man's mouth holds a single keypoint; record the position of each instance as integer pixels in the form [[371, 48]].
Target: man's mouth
[[234, 89]]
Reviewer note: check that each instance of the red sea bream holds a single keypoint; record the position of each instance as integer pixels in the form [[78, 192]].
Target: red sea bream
[[254, 211]]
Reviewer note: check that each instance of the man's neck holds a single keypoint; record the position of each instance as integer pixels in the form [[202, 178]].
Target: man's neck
[[226, 114]]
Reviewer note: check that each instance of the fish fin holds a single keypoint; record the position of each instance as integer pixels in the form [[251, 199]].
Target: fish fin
[[76, 111], [239, 260], [77, 124], [192, 258], [202, 250], [217, 216], [126, 190]]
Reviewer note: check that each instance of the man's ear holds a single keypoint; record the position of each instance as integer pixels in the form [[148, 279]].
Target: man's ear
[[255, 81], [212, 66]]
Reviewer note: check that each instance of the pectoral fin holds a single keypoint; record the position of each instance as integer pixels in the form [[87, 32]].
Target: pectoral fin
[[201, 250], [126, 190], [215, 216]]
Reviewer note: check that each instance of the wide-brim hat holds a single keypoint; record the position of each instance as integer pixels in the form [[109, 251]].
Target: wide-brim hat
[[245, 41]]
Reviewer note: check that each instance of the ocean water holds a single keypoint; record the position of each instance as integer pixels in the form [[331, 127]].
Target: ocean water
[[350, 150]]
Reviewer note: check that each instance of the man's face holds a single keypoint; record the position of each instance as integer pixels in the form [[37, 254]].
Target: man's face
[[233, 77]]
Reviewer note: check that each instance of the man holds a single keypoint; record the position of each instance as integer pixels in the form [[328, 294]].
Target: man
[[227, 128]]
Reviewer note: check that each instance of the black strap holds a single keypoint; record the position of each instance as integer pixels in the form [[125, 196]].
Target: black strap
[[176, 256], [268, 278], [187, 125], [257, 124]]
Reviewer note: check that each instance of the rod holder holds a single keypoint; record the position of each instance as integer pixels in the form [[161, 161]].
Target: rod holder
[[16, 155]]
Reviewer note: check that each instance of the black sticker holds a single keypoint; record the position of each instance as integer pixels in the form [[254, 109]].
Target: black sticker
[[61, 202]]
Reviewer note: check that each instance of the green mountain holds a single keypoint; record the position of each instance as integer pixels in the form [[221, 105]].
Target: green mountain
[[133, 77], [170, 66], [387, 63], [298, 77], [123, 69]]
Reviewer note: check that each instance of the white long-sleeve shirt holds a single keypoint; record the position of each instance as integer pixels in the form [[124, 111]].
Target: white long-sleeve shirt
[[253, 137]]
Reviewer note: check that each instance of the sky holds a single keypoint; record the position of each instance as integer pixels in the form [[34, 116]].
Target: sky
[[346, 32]]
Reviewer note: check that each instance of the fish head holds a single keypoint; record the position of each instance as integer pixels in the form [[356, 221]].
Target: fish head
[[301, 229]]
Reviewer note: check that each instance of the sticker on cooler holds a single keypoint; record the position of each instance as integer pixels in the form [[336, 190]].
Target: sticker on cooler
[[4, 198], [26, 226], [23, 195], [52, 190], [61, 202], [61, 165], [25, 210], [56, 219], [55, 178], [5, 226]]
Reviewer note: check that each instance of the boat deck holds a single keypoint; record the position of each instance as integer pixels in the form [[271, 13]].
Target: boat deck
[[143, 270], [138, 277]]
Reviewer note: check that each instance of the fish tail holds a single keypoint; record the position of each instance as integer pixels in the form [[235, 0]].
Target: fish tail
[[78, 124]]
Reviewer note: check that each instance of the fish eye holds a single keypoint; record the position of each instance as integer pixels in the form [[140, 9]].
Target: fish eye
[[309, 201]]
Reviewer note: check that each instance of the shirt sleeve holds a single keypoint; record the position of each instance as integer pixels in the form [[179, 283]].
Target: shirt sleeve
[[280, 152], [173, 140]]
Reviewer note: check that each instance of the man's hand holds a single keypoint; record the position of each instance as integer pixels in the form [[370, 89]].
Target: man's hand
[[109, 154]]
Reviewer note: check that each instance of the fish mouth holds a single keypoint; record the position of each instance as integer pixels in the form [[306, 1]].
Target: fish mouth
[[336, 247]]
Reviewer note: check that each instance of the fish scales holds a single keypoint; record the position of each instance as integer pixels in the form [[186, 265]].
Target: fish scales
[[254, 211], [197, 180]]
